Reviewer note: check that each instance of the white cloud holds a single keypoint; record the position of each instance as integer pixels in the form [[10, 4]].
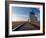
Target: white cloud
[[20, 18]]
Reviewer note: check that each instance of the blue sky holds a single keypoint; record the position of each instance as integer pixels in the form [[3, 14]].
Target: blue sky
[[22, 13]]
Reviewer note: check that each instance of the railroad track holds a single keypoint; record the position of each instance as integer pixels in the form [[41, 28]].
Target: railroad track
[[27, 26]]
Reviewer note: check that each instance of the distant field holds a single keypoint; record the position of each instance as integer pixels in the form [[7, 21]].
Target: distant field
[[17, 23]]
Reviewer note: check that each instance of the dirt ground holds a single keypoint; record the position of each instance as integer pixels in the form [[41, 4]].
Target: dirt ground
[[17, 23]]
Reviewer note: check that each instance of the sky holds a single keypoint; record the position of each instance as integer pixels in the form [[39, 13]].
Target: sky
[[22, 13]]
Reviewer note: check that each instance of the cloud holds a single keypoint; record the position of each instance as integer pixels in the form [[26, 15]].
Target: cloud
[[20, 17]]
